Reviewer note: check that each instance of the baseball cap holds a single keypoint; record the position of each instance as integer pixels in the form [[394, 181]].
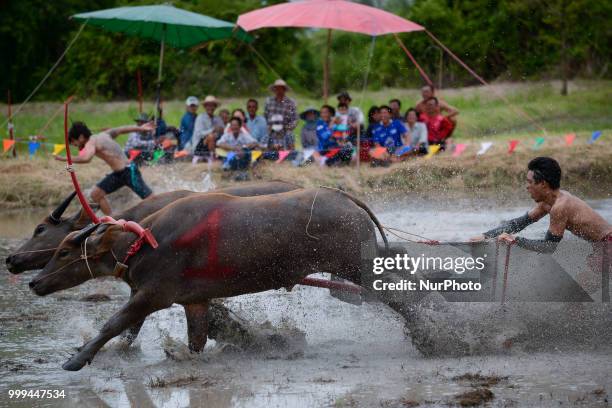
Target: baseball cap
[[192, 100]]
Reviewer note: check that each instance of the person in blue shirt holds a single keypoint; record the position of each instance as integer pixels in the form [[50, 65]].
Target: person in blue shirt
[[389, 133], [188, 122], [328, 150], [256, 124]]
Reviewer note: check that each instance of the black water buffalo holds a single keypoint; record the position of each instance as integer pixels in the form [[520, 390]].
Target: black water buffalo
[[213, 246]]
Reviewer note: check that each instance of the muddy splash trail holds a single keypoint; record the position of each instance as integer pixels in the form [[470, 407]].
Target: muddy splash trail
[[351, 356]]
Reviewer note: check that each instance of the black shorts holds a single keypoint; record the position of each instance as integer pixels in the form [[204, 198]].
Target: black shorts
[[129, 177]]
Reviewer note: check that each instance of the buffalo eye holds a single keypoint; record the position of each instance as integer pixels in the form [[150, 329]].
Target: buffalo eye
[[64, 252], [39, 229]]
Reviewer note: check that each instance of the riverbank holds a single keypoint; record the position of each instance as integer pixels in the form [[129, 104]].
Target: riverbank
[[587, 171]]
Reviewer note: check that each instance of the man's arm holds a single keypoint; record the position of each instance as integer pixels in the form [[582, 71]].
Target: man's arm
[[451, 111], [114, 132], [292, 117], [85, 155]]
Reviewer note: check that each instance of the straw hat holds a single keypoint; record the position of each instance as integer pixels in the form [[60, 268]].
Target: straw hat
[[279, 82], [211, 99]]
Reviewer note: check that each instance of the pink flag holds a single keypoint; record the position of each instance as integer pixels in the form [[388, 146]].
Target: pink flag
[[282, 155], [569, 139], [512, 145], [459, 148]]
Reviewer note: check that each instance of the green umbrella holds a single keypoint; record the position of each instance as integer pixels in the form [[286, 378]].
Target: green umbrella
[[164, 23]]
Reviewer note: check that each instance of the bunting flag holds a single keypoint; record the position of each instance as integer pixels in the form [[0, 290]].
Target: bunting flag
[[538, 143], [332, 152], [282, 155], [402, 150], [181, 153], [512, 145], [569, 139], [433, 149], [255, 154], [230, 156], [595, 136], [378, 152], [158, 154], [7, 144], [134, 153], [57, 148], [484, 146], [459, 148], [33, 147]]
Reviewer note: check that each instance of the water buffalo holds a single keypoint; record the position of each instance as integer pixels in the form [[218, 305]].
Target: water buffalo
[[214, 246], [47, 236]]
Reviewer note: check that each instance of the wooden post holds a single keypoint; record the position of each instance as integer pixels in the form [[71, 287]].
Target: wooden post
[[139, 80], [326, 68], [10, 124], [440, 69]]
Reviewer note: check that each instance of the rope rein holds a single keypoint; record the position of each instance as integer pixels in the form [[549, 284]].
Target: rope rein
[[35, 250], [84, 250]]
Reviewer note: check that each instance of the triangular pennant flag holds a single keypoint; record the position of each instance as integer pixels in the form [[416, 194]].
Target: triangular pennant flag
[[538, 143], [181, 153], [332, 152], [569, 139], [158, 154], [7, 144], [400, 151], [308, 153], [484, 146], [595, 136], [433, 149], [512, 145], [33, 147], [378, 152], [134, 153], [459, 148], [282, 155], [255, 154], [57, 148]]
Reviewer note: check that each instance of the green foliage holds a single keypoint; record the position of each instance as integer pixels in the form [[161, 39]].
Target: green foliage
[[507, 39]]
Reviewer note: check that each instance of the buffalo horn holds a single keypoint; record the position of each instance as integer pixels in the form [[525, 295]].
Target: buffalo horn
[[84, 233], [56, 215]]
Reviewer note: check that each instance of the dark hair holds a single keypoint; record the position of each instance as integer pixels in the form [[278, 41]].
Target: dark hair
[[239, 110], [77, 129], [432, 98], [342, 105], [374, 109], [384, 107], [253, 100], [399, 103], [546, 169], [237, 119], [331, 109], [411, 110]]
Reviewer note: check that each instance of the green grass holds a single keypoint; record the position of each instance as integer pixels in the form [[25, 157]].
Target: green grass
[[483, 114]]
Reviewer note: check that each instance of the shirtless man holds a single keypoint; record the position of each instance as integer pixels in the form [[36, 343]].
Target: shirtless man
[[104, 146], [449, 111], [567, 212]]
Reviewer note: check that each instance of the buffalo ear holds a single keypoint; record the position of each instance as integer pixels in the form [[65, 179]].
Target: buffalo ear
[[81, 219]]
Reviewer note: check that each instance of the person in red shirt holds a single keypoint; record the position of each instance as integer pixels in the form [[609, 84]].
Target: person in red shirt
[[439, 127]]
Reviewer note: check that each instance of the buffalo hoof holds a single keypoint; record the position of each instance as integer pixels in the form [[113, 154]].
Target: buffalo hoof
[[75, 363]]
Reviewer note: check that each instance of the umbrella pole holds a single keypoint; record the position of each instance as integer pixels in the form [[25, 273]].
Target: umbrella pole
[[326, 68], [159, 74]]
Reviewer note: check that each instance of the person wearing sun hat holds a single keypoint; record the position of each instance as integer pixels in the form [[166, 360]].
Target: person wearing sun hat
[[281, 116], [308, 135], [188, 121], [207, 129]]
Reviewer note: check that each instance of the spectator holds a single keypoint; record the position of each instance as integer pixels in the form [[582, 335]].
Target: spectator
[[439, 127], [308, 136], [389, 133], [341, 120], [367, 141], [329, 151], [161, 128], [238, 141], [416, 133], [142, 140], [208, 128], [355, 114], [256, 124], [280, 113], [396, 109], [238, 113], [188, 122], [224, 114], [427, 92]]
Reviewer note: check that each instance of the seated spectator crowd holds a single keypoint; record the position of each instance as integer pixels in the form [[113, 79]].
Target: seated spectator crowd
[[328, 137]]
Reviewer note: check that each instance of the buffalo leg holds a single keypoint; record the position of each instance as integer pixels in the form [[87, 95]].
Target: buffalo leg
[[197, 325], [129, 335], [136, 310]]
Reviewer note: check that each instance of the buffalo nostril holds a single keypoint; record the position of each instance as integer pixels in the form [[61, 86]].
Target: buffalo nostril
[[9, 259], [32, 284]]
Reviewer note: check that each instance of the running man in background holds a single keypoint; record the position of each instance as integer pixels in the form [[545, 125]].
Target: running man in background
[[104, 146]]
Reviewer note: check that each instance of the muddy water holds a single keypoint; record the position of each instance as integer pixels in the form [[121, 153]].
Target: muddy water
[[355, 356]]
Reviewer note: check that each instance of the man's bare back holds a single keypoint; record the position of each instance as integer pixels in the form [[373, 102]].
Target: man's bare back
[[107, 149]]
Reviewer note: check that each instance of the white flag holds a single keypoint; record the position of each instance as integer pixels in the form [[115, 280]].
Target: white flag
[[484, 146]]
